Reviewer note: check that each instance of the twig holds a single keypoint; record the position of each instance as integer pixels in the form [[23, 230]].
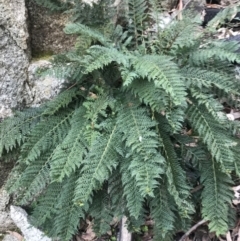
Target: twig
[[197, 188], [185, 5], [71, 86], [192, 229], [180, 8]]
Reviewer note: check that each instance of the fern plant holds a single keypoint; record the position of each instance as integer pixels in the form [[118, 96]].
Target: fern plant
[[140, 114]]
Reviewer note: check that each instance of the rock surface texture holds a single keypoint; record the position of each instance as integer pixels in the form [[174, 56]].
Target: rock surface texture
[[6, 222], [46, 31], [9, 237], [13, 55], [17, 83], [42, 88], [29, 232]]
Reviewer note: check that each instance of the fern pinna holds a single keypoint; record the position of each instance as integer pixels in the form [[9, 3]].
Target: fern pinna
[[139, 125]]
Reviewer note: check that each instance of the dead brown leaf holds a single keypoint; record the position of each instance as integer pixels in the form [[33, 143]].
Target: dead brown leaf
[[89, 235]]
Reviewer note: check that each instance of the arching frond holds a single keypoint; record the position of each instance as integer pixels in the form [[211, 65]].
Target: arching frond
[[13, 131], [176, 178], [213, 135], [77, 28], [141, 142], [43, 136], [101, 210], [67, 214], [163, 214], [62, 100], [131, 191], [98, 165], [164, 73], [68, 155], [216, 196]]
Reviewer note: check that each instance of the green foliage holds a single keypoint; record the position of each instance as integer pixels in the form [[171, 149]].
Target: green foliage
[[139, 124], [162, 209], [216, 193]]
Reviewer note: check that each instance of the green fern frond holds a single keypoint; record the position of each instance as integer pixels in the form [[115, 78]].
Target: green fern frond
[[102, 212], [179, 37], [197, 77], [13, 131], [95, 15], [102, 56], [236, 152], [214, 108], [175, 117], [164, 73], [81, 45], [43, 136], [81, 29], [97, 108], [37, 185], [27, 177], [98, 164], [46, 204], [155, 8], [66, 67], [202, 57], [53, 5], [134, 199], [185, 35], [192, 150], [68, 156], [141, 141], [216, 196], [159, 101], [176, 177], [213, 135], [137, 20], [116, 192], [67, 214], [162, 213], [62, 100], [232, 216], [149, 94], [128, 75]]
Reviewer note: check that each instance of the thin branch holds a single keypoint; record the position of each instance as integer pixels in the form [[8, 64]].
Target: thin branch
[[71, 86], [192, 229], [186, 4], [197, 188]]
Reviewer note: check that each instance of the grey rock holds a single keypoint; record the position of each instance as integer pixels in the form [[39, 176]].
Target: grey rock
[[9, 237], [4, 199], [13, 55], [6, 223], [42, 88], [29, 232], [46, 30], [195, 5]]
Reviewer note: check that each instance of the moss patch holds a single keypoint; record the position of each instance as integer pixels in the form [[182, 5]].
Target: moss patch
[[42, 55]]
